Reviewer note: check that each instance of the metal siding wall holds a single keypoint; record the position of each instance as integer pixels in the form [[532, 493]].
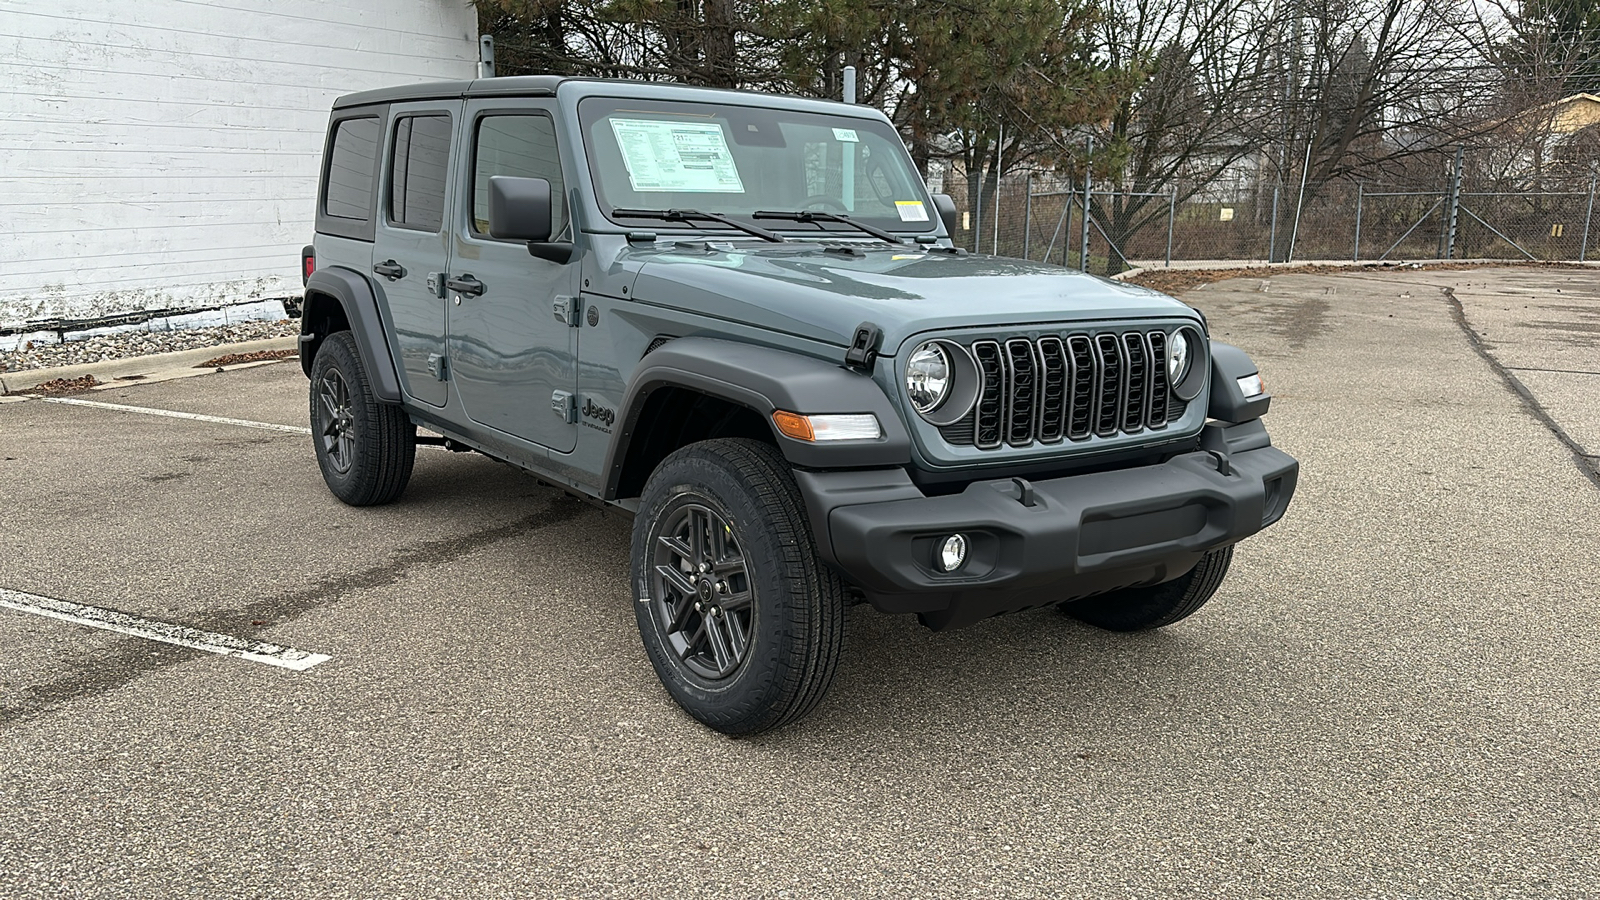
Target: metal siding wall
[[164, 153]]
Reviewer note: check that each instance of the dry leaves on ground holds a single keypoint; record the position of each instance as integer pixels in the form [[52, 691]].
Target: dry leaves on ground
[[63, 386], [234, 359]]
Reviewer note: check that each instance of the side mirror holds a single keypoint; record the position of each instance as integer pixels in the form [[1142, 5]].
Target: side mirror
[[520, 208], [947, 213]]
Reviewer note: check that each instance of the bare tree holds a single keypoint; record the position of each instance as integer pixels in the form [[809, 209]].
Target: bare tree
[[1207, 108]]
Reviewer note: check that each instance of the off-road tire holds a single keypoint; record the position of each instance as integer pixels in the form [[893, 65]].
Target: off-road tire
[[1144, 608], [372, 462], [796, 605]]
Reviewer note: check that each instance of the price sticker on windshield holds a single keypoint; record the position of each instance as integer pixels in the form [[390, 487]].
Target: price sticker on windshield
[[686, 157], [911, 210], [846, 135]]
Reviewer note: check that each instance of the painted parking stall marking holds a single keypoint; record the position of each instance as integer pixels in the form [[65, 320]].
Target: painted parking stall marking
[[193, 417], [170, 414], [165, 632]]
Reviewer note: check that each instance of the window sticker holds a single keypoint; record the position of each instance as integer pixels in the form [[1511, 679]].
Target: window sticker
[[911, 210], [690, 157], [846, 135]]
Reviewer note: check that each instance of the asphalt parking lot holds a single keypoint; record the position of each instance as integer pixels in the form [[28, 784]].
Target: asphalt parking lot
[[1395, 694]]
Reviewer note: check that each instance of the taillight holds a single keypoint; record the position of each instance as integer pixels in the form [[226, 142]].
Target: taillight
[[308, 264]]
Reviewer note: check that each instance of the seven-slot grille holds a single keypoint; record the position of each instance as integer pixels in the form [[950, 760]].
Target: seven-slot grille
[[1072, 388]]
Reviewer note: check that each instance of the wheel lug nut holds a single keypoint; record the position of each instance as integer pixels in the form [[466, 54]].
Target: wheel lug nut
[[722, 587], [699, 607]]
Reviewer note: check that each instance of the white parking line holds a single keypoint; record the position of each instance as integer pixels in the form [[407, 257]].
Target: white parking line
[[219, 420], [195, 417], [165, 632]]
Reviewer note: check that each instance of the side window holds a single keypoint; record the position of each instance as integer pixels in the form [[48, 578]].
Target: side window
[[521, 145], [350, 169], [417, 171]]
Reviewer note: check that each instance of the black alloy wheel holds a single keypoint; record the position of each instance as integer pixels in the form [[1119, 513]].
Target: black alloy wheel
[[364, 448], [701, 591], [740, 620], [336, 427]]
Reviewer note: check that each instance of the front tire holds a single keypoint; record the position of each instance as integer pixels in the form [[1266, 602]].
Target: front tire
[[1144, 608], [742, 624], [365, 448]]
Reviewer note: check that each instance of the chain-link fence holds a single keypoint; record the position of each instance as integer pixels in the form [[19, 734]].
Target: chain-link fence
[[1040, 218]]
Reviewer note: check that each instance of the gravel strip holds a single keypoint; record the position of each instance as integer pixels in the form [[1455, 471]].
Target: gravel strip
[[140, 343]]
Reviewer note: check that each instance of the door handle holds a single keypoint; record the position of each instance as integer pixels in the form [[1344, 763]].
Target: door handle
[[390, 269], [465, 284]]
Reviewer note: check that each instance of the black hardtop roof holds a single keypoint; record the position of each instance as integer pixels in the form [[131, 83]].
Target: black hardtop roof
[[529, 86]]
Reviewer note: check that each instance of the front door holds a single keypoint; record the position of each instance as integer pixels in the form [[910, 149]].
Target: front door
[[411, 248], [512, 361]]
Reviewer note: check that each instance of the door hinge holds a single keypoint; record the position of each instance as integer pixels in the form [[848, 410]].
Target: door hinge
[[439, 367], [565, 405], [436, 284], [863, 350], [567, 310]]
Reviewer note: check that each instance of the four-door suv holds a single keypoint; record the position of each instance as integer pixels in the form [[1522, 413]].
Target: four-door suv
[[740, 318]]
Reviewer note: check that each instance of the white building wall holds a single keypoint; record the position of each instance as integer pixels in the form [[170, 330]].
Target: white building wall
[[164, 153]]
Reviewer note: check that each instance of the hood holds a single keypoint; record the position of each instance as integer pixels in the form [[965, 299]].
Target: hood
[[822, 292]]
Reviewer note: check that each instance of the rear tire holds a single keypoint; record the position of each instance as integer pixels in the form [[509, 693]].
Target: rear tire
[[742, 624], [365, 448], [1144, 608]]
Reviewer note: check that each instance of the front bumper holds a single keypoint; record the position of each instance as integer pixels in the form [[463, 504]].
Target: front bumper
[[1083, 535]]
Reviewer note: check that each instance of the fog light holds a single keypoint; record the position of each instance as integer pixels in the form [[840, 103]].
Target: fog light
[[952, 553]]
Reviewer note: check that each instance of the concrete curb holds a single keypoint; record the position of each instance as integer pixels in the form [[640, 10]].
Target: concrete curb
[[1222, 265], [140, 369]]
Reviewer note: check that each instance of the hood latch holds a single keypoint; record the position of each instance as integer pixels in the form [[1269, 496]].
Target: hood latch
[[863, 352]]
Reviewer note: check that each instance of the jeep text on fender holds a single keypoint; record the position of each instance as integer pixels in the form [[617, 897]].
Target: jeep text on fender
[[740, 318]]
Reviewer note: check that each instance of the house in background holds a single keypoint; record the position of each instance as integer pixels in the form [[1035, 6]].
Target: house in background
[[163, 154], [1552, 147]]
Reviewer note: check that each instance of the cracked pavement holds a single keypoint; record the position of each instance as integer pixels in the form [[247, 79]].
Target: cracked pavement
[[1393, 695]]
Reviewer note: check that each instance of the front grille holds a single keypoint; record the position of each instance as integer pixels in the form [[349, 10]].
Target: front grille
[[1068, 387]]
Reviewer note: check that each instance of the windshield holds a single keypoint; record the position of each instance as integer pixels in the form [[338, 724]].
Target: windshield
[[736, 160]]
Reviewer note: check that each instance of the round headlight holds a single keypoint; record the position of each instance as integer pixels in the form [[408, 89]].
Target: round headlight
[[1177, 357], [928, 377]]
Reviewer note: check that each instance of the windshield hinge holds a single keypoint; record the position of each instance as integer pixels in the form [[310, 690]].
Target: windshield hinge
[[863, 352]]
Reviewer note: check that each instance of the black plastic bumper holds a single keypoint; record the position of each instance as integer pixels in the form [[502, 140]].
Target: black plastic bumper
[[1083, 535]]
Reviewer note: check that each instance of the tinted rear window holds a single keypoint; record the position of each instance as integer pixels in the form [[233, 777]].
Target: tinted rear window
[[350, 169], [417, 175]]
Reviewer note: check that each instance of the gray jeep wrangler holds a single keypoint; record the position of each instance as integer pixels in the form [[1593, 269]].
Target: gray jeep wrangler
[[740, 319]]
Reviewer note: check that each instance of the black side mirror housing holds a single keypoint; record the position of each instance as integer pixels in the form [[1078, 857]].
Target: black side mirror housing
[[946, 206], [520, 209]]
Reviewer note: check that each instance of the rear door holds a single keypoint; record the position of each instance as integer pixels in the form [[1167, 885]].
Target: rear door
[[411, 247], [512, 361]]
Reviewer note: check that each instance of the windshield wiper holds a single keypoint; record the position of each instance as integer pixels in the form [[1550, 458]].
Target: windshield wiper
[[809, 216], [688, 215]]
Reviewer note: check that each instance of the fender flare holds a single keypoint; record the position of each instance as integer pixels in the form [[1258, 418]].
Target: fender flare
[[355, 296], [763, 379], [1227, 401]]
